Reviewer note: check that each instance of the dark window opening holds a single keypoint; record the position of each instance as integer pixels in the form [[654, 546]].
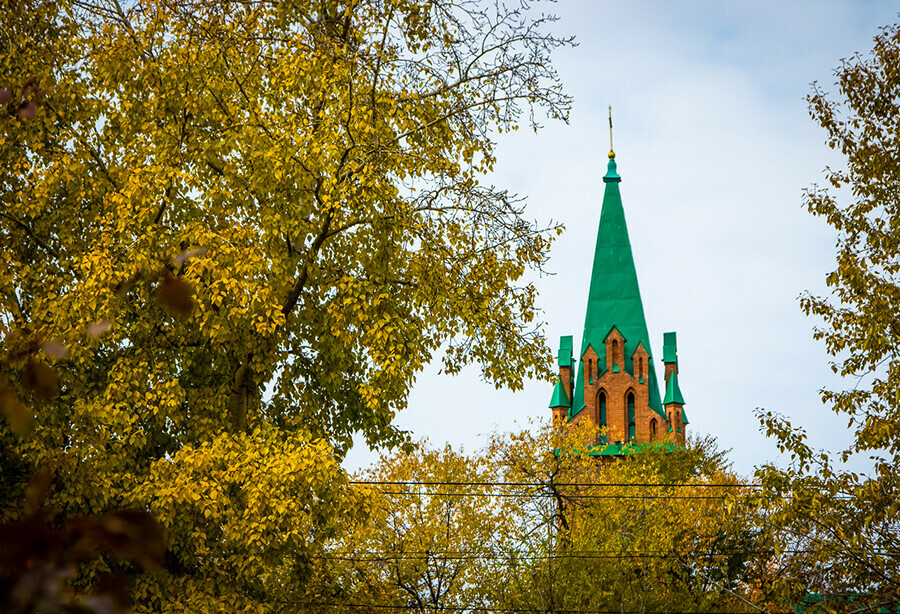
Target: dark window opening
[[631, 429], [601, 415], [653, 430]]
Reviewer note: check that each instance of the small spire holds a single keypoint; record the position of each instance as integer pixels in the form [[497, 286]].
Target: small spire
[[612, 154], [673, 391]]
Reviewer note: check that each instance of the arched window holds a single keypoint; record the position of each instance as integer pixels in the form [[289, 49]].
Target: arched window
[[590, 371], [615, 356], [641, 369], [653, 429], [631, 429], [601, 414]]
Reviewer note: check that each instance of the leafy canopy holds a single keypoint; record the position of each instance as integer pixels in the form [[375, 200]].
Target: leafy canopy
[[233, 233], [530, 524], [300, 178]]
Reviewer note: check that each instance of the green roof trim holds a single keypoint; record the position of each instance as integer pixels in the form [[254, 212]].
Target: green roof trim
[[673, 392], [559, 396], [684, 417], [623, 449], [614, 298], [670, 348]]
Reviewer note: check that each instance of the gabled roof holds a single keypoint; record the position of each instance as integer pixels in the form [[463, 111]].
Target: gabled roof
[[611, 329], [614, 298], [673, 392]]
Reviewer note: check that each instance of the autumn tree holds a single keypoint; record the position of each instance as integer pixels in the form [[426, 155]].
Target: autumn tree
[[845, 520], [233, 233], [538, 522], [661, 528], [431, 542]]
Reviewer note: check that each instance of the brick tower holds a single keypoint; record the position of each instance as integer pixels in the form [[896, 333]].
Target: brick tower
[[615, 385]]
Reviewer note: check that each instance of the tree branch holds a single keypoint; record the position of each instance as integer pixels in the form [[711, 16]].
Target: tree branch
[[30, 232]]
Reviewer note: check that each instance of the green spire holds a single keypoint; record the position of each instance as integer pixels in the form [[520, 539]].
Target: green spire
[[673, 392], [614, 298]]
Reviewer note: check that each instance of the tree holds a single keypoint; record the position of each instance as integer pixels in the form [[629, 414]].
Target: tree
[[41, 557], [233, 234], [431, 541], [845, 521], [532, 523], [659, 529]]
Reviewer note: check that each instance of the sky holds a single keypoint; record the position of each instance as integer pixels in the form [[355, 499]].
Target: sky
[[715, 146]]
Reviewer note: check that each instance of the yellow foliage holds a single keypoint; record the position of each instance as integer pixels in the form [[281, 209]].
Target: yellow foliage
[[251, 225], [533, 523]]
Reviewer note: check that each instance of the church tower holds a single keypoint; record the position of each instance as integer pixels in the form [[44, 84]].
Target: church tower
[[615, 384]]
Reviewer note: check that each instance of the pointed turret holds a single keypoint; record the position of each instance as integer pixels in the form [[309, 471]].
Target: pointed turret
[[561, 402], [673, 392], [674, 405], [670, 355]]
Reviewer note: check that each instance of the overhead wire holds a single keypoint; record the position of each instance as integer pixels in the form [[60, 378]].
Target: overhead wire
[[508, 610], [556, 484], [515, 495], [439, 556]]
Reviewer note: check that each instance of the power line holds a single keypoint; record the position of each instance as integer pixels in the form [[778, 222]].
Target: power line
[[449, 555], [490, 556], [537, 495], [450, 608], [515, 495], [558, 484], [576, 485], [566, 495]]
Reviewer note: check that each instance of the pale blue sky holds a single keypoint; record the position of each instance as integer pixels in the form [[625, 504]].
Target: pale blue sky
[[714, 145]]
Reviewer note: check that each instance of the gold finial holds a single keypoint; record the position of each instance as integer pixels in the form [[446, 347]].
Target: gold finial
[[612, 154]]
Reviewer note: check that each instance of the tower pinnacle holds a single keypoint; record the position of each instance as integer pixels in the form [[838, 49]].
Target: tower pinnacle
[[612, 154]]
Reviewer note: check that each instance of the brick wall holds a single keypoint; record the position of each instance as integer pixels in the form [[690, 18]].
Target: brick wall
[[616, 387]]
